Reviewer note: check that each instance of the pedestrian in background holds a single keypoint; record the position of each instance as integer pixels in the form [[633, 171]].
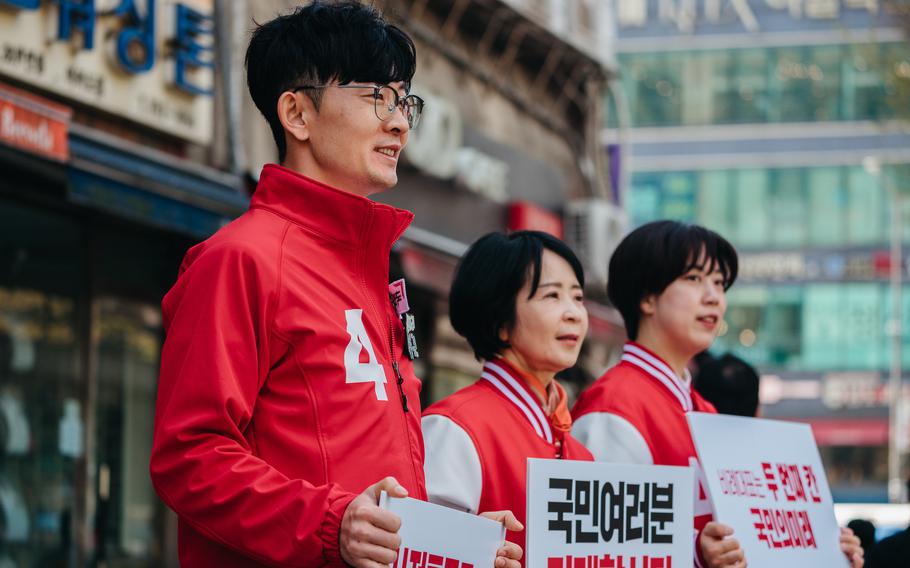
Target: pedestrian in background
[[728, 383]]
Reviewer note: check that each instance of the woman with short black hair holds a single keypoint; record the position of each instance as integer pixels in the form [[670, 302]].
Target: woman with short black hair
[[669, 281], [518, 301]]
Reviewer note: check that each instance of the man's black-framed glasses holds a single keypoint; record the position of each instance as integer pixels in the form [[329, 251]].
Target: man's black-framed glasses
[[385, 100]]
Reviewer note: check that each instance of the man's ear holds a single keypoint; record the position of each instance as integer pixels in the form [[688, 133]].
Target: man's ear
[[648, 304], [295, 112]]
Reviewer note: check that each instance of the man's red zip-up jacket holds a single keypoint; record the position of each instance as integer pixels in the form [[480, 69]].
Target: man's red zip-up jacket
[[284, 391]]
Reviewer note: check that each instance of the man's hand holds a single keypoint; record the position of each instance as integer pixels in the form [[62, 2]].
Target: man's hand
[[852, 548], [718, 549], [509, 554], [369, 535]]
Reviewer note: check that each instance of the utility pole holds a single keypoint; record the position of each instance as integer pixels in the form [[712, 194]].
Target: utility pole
[[896, 486]]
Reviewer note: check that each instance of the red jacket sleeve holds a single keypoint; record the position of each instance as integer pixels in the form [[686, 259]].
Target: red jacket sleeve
[[215, 358]]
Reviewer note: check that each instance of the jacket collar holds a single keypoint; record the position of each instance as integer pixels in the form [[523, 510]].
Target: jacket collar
[[337, 215], [650, 363], [500, 375]]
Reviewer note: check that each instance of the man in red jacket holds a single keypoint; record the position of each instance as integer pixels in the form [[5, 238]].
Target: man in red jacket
[[285, 401]]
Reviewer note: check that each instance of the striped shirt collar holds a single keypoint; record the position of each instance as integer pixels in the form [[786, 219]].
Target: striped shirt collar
[[513, 388], [650, 363]]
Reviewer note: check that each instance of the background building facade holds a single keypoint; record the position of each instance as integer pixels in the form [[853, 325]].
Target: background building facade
[[755, 118]]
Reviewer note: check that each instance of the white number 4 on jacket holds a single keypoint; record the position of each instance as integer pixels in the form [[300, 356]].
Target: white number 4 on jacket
[[355, 371]]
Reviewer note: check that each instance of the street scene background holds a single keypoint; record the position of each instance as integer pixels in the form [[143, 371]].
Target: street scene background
[[127, 136]]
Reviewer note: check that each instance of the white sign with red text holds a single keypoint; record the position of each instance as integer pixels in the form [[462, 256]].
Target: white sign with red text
[[766, 480], [433, 536], [606, 515]]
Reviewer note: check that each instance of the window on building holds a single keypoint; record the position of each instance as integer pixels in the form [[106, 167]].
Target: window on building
[[827, 206], [42, 392], [866, 218], [752, 223]]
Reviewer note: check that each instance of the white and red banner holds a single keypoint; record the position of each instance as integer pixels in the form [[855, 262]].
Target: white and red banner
[[605, 515], [433, 536], [766, 480]]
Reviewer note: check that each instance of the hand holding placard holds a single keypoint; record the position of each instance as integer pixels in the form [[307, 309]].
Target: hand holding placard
[[369, 534], [433, 536]]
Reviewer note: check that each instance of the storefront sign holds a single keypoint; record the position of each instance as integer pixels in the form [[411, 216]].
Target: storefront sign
[[433, 536], [595, 514], [146, 60], [863, 265], [766, 480], [33, 124], [686, 14]]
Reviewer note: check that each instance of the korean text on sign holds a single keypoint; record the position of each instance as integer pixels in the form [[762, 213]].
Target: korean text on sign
[[601, 515], [771, 490]]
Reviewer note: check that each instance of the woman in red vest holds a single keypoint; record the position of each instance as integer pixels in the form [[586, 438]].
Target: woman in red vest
[[518, 301]]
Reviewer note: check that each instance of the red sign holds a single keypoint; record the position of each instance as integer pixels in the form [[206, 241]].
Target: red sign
[[34, 124], [527, 216]]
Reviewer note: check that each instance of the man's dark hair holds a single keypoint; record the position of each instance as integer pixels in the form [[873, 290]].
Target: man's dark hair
[[730, 384], [325, 41], [652, 256], [488, 279]]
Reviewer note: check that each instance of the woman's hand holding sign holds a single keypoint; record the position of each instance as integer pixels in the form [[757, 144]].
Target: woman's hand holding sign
[[719, 549]]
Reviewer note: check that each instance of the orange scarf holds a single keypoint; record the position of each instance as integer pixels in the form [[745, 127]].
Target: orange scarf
[[553, 398]]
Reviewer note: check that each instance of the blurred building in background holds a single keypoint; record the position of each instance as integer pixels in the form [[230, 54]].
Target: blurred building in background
[[754, 118], [127, 135]]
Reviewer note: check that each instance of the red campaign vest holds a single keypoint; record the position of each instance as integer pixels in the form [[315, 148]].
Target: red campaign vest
[[645, 391], [507, 424]]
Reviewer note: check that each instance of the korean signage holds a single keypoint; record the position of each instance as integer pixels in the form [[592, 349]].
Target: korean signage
[[772, 490], [150, 61], [33, 124], [433, 536], [602, 515], [833, 266], [686, 14]]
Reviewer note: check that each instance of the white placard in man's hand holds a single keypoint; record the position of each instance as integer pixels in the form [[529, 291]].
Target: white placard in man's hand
[[433, 536], [767, 481]]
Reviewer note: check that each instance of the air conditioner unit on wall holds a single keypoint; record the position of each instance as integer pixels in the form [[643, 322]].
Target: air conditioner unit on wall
[[593, 228]]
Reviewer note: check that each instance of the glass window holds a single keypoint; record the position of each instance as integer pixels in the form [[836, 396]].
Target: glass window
[[823, 326], [861, 338], [794, 75], [827, 207], [42, 394], [654, 87], [128, 345], [788, 208], [678, 197], [824, 86], [644, 199], [748, 98], [863, 81], [715, 199], [866, 218], [752, 221]]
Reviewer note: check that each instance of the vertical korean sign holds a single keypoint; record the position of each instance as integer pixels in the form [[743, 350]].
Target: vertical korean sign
[[766, 480], [150, 61], [601, 515]]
